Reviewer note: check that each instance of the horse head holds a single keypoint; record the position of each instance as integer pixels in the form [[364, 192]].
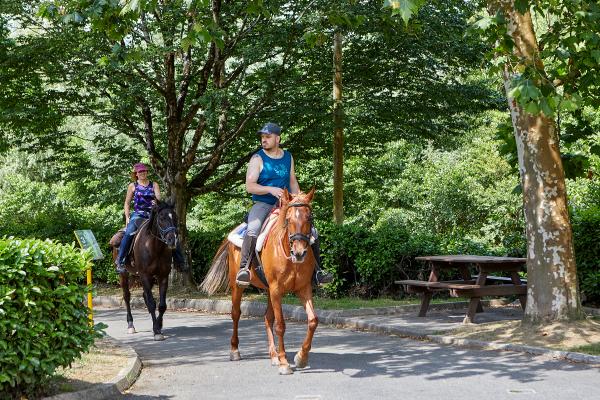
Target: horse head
[[163, 223], [298, 220]]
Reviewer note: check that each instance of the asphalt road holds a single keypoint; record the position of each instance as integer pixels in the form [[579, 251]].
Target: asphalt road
[[193, 363]]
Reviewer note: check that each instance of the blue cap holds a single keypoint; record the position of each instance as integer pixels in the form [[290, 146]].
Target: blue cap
[[270, 128]]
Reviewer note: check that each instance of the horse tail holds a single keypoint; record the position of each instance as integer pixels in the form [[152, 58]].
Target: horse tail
[[217, 277]]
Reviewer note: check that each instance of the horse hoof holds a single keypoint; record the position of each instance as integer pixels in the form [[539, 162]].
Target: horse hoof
[[274, 362], [235, 356], [285, 370], [300, 362], [131, 330], [159, 336]]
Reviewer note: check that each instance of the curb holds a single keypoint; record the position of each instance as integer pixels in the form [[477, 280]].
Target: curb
[[342, 318], [113, 388]]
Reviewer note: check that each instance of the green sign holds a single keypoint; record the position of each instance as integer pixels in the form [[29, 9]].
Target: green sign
[[87, 240]]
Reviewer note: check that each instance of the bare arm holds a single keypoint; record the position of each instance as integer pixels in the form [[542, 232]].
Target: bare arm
[[128, 197], [294, 187], [156, 191], [252, 186]]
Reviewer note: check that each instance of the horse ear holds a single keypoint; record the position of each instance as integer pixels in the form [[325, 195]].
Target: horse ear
[[286, 196], [310, 195]]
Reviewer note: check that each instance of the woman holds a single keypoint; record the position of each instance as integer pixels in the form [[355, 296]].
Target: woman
[[144, 194]]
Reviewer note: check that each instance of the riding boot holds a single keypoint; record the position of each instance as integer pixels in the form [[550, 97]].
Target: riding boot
[[243, 276], [320, 276]]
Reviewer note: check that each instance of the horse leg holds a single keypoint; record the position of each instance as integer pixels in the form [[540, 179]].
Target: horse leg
[[284, 366], [124, 281], [301, 358], [163, 284], [269, 319], [236, 312], [147, 283]]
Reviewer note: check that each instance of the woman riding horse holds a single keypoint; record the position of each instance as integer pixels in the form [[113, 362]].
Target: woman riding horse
[[144, 194]]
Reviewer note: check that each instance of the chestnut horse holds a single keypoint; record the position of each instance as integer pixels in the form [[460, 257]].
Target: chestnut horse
[[151, 261], [288, 263]]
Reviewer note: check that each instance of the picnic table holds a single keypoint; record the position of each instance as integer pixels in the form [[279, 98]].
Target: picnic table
[[482, 283]]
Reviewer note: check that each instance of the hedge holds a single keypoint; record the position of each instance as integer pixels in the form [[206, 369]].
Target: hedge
[[43, 317]]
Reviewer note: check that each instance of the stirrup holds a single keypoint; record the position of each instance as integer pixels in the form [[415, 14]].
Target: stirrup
[[121, 268], [242, 278], [323, 277]]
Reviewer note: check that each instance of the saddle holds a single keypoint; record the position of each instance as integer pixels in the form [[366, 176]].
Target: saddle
[[115, 241], [236, 236]]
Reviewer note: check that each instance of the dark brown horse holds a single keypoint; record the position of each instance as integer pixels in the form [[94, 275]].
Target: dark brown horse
[[151, 260], [288, 264]]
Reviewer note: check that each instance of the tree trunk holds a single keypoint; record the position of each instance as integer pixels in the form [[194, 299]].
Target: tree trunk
[[181, 200], [338, 132], [551, 272]]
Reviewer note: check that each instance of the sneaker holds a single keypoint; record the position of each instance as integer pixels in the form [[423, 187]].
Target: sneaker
[[180, 267], [121, 269], [323, 277], [243, 277]]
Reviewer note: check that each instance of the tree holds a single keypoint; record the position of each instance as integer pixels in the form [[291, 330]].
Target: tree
[[539, 81], [184, 79], [338, 131]]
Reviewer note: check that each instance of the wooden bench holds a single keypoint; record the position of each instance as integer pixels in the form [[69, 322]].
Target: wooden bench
[[507, 279], [473, 287]]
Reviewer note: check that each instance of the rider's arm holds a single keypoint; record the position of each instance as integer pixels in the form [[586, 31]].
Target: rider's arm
[[252, 186], [128, 197], [156, 191], [294, 187]]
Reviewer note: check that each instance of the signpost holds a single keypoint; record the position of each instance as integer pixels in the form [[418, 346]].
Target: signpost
[[87, 240]]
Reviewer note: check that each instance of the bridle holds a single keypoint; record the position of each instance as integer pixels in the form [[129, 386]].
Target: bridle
[[299, 235], [162, 232]]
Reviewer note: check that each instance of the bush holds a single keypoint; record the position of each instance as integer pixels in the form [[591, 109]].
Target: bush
[[43, 319], [39, 210], [586, 231]]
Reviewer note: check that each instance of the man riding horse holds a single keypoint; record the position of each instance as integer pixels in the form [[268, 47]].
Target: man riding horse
[[270, 171]]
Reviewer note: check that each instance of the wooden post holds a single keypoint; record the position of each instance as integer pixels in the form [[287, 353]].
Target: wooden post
[[338, 131]]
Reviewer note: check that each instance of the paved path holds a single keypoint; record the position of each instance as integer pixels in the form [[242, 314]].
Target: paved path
[[193, 363]]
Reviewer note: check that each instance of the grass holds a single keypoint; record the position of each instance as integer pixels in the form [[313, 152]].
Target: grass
[[321, 302], [593, 349]]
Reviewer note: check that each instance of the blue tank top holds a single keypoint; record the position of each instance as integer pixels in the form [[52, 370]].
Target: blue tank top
[[275, 173], [142, 199]]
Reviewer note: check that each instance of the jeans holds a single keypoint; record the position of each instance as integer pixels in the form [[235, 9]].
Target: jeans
[[126, 241]]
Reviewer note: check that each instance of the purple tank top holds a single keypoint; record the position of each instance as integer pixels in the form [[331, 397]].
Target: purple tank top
[[142, 198]]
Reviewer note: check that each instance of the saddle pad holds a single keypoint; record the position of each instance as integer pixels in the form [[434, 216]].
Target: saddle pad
[[236, 236]]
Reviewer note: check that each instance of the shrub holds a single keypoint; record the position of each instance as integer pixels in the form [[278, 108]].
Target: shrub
[[43, 319], [586, 234]]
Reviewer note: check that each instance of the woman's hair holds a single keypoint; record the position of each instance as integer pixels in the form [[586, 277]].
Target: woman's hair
[[133, 176]]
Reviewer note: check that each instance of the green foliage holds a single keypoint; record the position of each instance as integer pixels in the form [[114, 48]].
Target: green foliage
[[38, 210], [586, 231], [43, 320]]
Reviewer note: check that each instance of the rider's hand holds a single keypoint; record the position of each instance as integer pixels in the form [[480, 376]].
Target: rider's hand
[[277, 192]]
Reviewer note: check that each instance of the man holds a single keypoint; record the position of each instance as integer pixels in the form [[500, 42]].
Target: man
[[270, 171]]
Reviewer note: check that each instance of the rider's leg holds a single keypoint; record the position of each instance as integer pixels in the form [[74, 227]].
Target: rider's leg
[[125, 244], [320, 276], [257, 215], [179, 260]]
